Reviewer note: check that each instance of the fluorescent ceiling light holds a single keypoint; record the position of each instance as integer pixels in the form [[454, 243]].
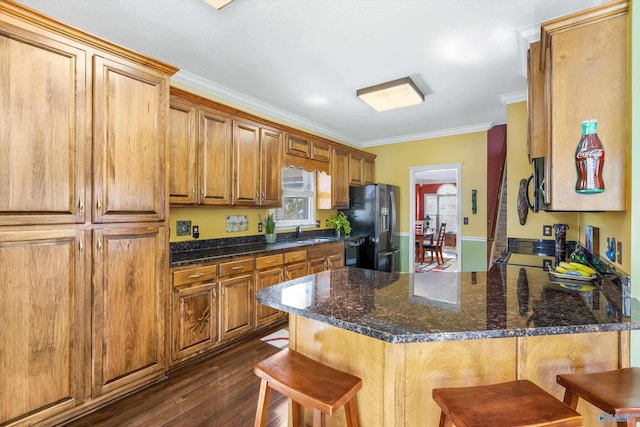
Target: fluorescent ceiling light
[[218, 4], [388, 96]]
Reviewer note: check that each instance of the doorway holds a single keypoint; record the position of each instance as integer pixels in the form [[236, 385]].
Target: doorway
[[434, 200]]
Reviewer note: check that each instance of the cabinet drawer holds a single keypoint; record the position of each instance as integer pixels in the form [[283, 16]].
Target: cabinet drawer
[[295, 256], [325, 249], [236, 267], [196, 274], [268, 261]]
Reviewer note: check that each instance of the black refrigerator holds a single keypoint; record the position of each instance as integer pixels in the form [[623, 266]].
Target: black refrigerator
[[372, 214]]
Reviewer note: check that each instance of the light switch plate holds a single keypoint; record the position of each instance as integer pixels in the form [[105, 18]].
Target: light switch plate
[[183, 228]]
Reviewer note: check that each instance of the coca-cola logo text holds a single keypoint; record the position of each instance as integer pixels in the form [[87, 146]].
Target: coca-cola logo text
[[593, 154]]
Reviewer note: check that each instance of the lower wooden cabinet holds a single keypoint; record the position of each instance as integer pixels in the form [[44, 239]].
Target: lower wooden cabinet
[[44, 313], [265, 278], [195, 320], [325, 257], [128, 306], [236, 306]]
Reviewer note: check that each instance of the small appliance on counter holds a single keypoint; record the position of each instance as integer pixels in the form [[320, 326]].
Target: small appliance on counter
[[372, 214]]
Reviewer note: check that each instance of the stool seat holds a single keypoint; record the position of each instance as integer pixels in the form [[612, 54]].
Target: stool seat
[[515, 403], [307, 383], [616, 392]]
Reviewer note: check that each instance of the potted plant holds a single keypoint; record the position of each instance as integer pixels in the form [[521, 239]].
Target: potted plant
[[340, 222], [270, 229]]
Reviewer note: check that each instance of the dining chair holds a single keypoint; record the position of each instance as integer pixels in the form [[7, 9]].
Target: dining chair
[[436, 247]]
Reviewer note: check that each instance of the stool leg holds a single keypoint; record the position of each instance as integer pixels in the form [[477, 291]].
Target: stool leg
[[318, 418], [351, 411], [570, 399], [444, 420], [263, 404], [296, 414]]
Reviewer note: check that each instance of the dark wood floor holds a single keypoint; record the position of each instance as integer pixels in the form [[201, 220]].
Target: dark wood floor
[[220, 391]]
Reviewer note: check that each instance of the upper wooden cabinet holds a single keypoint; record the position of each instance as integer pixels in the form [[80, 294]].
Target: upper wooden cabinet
[[536, 128], [43, 127], [340, 178], [130, 109], [585, 66], [200, 143], [257, 165]]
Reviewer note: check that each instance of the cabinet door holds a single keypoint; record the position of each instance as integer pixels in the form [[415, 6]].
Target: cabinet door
[[130, 109], [270, 167], [183, 151], [368, 167], [236, 306], [356, 172], [43, 129], [128, 306], [214, 161], [195, 320], [246, 165], [340, 178], [335, 261], [536, 135], [297, 146], [265, 278], [316, 265], [296, 270], [586, 78], [44, 323]]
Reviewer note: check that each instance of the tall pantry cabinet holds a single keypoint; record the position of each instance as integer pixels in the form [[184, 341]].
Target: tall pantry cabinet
[[83, 237]]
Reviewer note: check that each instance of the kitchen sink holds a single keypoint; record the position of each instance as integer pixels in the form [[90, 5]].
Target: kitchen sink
[[319, 240]]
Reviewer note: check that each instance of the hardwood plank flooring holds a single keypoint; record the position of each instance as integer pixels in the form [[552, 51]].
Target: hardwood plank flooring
[[220, 391]]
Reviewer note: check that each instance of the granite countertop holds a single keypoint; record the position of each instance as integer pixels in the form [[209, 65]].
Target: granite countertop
[[201, 251], [506, 301]]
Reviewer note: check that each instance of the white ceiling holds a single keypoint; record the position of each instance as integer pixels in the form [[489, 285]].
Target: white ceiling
[[301, 61]]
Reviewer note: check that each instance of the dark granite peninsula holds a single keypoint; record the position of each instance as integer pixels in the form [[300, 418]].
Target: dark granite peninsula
[[405, 334]]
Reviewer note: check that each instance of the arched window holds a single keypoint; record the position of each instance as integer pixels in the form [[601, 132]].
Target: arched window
[[442, 207]]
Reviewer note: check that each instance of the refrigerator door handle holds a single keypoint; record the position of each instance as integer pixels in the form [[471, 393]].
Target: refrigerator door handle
[[392, 225], [387, 253]]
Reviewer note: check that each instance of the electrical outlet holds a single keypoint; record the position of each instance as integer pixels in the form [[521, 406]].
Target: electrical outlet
[[466, 220], [196, 231], [546, 230], [318, 223], [259, 227], [619, 252]]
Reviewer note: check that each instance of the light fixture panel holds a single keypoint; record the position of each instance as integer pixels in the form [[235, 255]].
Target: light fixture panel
[[391, 95], [218, 4]]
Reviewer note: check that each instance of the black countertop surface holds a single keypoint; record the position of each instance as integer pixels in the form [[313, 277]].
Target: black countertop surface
[[506, 301]]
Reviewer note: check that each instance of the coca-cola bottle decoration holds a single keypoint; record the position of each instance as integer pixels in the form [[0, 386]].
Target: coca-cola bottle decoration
[[589, 160]]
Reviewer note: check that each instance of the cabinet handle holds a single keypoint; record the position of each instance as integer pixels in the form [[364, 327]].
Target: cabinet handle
[[270, 261], [214, 294], [238, 267], [81, 206], [98, 206], [193, 276], [99, 246], [201, 194], [81, 248]]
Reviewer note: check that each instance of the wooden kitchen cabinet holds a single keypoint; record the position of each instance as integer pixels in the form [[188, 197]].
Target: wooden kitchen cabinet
[[128, 305], [325, 257], [195, 312], [257, 165], [585, 66], [85, 144], [356, 169], [129, 141], [200, 143], [236, 297], [44, 313], [340, 178], [43, 127], [266, 277], [536, 128]]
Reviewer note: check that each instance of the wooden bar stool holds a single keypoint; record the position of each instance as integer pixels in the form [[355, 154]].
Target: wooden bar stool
[[616, 392], [515, 403], [307, 383]]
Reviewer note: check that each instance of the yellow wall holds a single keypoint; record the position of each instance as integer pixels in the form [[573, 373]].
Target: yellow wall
[[212, 221], [394, 160]]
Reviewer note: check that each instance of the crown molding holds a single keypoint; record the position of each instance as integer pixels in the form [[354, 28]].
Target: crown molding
[[480, 127], [513, 97], [228, 95]]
